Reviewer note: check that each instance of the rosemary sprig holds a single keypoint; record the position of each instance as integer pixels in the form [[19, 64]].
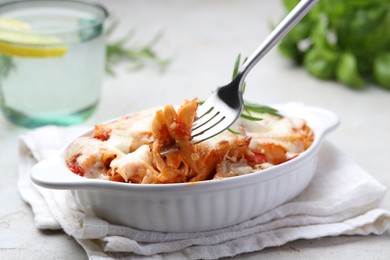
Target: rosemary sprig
[[249, 117], [252, 107], [260, 109], [236, 67], [118, 51], [234, 132]]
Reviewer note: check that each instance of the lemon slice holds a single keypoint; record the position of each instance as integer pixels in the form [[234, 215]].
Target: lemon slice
[[20, 42], [10, 23]]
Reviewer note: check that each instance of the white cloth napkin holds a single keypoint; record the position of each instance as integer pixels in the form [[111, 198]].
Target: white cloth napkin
[[342, 199]]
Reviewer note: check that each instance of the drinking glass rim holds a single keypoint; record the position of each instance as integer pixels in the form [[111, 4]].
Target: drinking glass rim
[[13, 5]]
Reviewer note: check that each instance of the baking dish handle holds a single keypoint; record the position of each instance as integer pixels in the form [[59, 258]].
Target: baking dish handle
[[52, 173], [324, 121]]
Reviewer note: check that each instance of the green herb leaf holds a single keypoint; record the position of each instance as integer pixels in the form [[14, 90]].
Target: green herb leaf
[[237, 65], [118, 52], [234, 132], [261, 109], [289, 48], [335, 27], [251, 118], [251, 107], [382, 70], [321, 62], [347, 71]]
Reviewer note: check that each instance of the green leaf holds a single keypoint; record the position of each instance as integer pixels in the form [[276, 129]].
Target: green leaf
[[301, 30], [321, 62], [290, 4], [365, 30], [234, 132], [347, 71], [251, 107], [333, 27], [289, 48], [251, 118], [261, 109], [382, 70], [334, 8], [236, 67], [118, 51]]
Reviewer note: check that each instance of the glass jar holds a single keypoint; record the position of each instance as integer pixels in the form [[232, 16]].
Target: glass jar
[[52, 57]]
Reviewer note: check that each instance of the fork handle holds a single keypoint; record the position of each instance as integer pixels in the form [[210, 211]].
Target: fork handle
[[299, 11]]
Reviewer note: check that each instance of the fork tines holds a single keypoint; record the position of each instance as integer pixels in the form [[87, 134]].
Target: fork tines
[[206, 121]]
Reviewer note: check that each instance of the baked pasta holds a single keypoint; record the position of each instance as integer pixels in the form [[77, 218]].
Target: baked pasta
[[128, 149]]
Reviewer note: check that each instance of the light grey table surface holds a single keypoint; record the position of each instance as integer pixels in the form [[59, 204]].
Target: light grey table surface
[[203, 38]]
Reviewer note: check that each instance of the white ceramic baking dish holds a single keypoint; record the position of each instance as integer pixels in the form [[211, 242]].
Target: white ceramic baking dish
[[192, 207]]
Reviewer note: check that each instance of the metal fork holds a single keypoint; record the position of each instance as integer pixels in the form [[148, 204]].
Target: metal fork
[[225, 105]]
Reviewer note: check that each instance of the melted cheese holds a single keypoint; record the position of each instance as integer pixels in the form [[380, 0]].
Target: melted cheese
[[130, 154], [90, 153], [271, 129], [129, 132], [133, 165]]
